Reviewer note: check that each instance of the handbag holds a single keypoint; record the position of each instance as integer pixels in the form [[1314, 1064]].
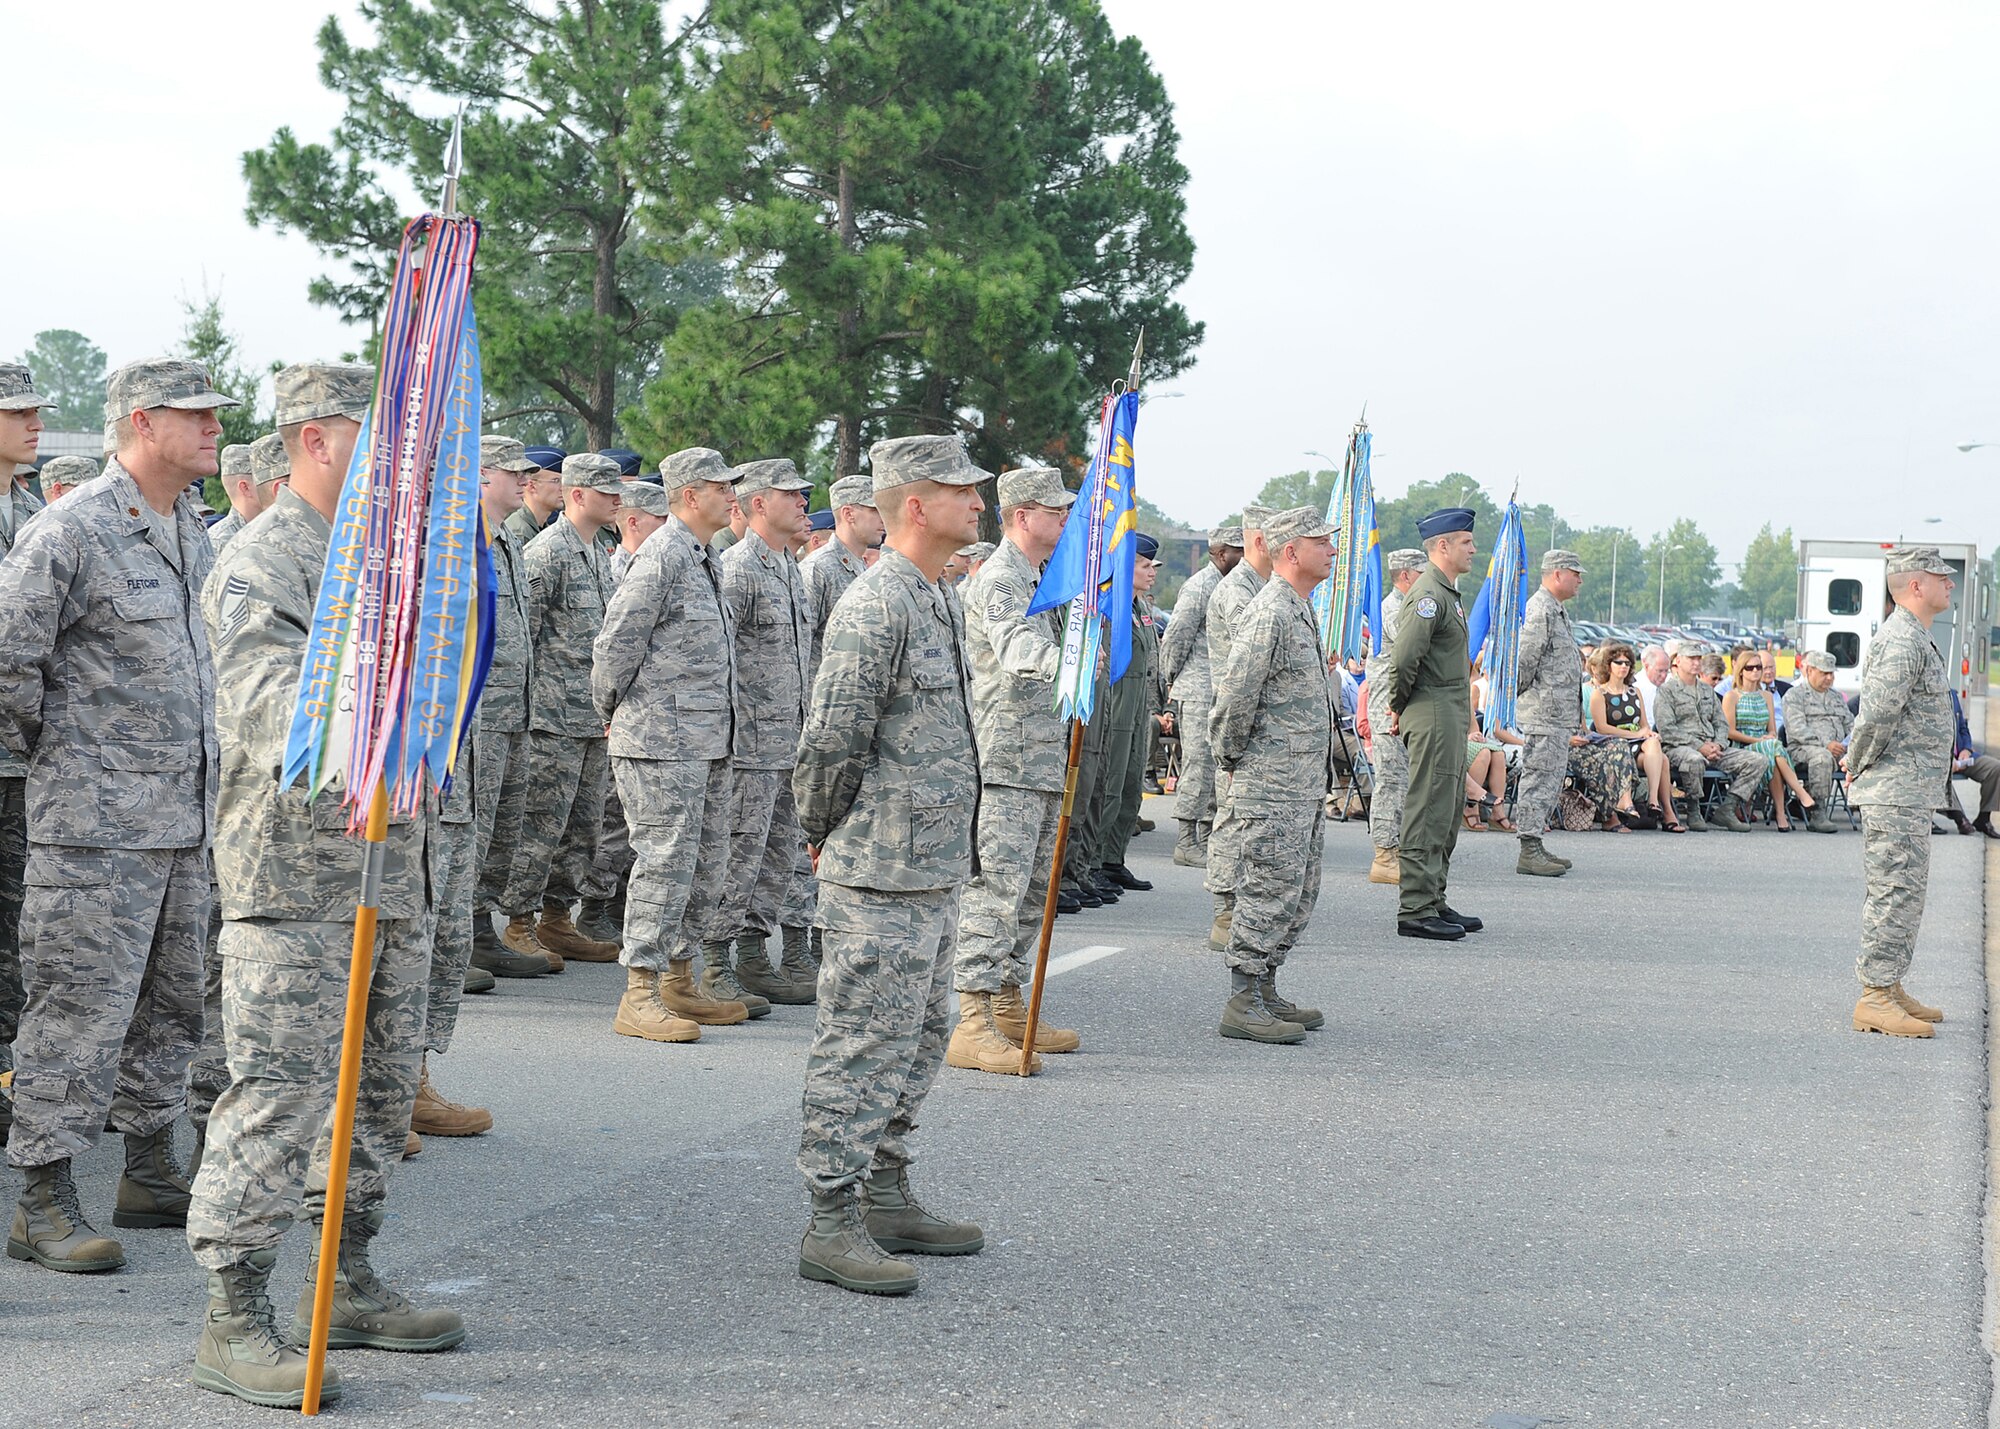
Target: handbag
[[1577, 813]]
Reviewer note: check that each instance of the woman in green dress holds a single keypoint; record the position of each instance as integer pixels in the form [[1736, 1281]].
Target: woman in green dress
[[1747, 710]]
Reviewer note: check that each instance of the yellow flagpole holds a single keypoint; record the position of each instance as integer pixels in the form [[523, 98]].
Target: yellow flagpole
[[360, 973]]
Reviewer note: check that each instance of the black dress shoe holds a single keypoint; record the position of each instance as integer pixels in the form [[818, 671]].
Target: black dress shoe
[[1963, 824], [1107, 890], [1464, 920], [1123, 877], [1066, 903], [1429, 928], [1086, 896], [1984, 823]]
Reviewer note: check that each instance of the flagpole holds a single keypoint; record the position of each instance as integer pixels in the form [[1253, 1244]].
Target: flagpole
[[361, 970], [1054, 893]]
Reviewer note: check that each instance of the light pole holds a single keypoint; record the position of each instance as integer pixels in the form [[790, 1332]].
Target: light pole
[[1617, 540], [1973, 446], [1665, 551]]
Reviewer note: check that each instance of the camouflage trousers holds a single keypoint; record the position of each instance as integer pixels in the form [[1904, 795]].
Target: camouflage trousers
[[498, 802], [1000, 914], [208, 1074], [1391, 763], [764, 842], [880, 1030], [613, 864], [284, 998], [13, 862], [451, 938], [560, 822], [1219, 877], [1744, 768], [1194, 794], [1816, 767], [1277, 883], [1896, 862], [1087, 814], [113, 978], [1538, 792], [679, 814], [802, 898]]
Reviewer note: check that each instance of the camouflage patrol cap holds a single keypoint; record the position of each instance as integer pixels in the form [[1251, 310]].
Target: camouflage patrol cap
[[162, 382], [902, 460], [1227, 536], [68, 471], [306, 391], [504, 454], [686, 467], [592, 472], [1561, 561], [1920, 560], [1409, 558], [1818, 660], [235, 460], [17, 390], [268, 459], [1677, 648], [1042, 485], [647, 496], [856, 490], [110, 439], [1255, 516], [977, 551], [772, 474], [1297, 523]]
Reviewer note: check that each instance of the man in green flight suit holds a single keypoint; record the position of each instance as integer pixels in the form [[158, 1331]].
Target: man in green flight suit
[[1430, 699]]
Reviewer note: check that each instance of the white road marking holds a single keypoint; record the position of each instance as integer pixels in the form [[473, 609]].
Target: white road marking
[[1082, 957]]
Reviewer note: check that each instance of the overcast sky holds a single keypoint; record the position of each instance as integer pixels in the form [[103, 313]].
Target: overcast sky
[[1730, 261]]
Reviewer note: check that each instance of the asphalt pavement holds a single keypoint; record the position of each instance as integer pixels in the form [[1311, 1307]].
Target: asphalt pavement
[[1617, 1160]]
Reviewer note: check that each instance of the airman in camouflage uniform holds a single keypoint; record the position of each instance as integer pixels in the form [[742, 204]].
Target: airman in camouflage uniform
[[502, 744], [20, 434], [829, 571], [569, 583], [64, 474], [291, 877], [1231, 598], [108, 692], [771, 621], [1896, 759], [1185, 666], [1688, 717], [663, 679], [1023, 756], [888, 789], [543, 502], [1272, 731], [1548, 710], [1390, 760], [1818, 725], [642, 510], [236, 480]]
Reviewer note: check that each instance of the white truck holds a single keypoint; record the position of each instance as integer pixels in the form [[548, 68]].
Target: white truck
[[1843, 586]]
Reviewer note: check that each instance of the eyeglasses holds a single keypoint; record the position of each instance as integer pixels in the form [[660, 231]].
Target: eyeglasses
[[1621, 660]]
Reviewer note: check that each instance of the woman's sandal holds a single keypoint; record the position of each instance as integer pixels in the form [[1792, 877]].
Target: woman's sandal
[[1472, 817]]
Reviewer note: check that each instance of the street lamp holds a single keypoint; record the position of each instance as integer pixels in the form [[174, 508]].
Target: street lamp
[[1617, 540], [1973, 446], [1661, 618]]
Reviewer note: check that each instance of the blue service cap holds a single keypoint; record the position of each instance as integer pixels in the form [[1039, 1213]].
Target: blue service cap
[[1148, 547], [1444, 521], [628, 462], [548, 458], [820, 521]]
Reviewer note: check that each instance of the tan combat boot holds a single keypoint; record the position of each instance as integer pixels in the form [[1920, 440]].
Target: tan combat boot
[[1188, 852], [1878, 1011], [1387, 867], [241, 1351], [1918, 1010], [154, 1191], [434, 1116], [520, 938], [897, 1222], [799, 964], [642, 1014], [838, 1250], [413, 1144], [1010, 1015], [49, 1227], [976, 1043], [1218, 931], [558, 935], [368, 1314], [680, 996], [719, 980]]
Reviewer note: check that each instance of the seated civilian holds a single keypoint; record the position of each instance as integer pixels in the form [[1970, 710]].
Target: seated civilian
[[1603, 770], [1746, 711], [1618, 712], [1486, 774], [1981, 769]]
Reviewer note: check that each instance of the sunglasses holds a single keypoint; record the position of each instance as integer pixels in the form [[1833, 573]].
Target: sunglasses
[[1621, 660]]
